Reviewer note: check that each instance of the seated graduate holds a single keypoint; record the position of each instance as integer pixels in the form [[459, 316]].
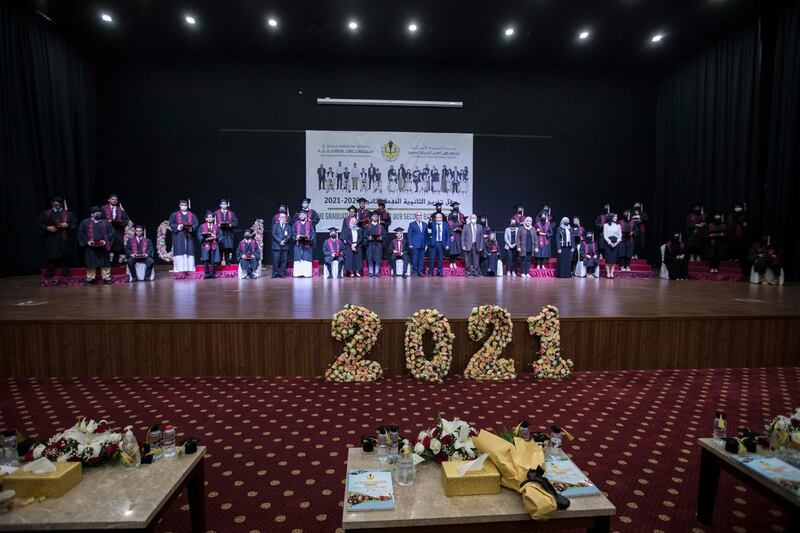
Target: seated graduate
[[281, 237], [589, 254], [183, 224], [227, 221], [676, 258], [398, 252], [527, 240], [333, 251], [351, 213], [249, 255], [94, 236], [510, 246], [418, 243], [57, 226], [208, 235], [353, 239], [304, 236], [118, 217], [373, 234], [564, 243], [311, 215], [764, 255], [438, 242], [491, 254], [139, 249], [639, 219], [716, 238], [282, 210]]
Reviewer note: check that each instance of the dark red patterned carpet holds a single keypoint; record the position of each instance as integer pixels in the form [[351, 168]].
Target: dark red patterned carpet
[[277, 446]]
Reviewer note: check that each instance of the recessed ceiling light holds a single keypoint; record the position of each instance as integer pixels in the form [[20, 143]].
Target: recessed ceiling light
[[509, 32], [106, 17], [583, 35], [272, 23], [657, 38], [190, 19], [412, 27], [353, 25]]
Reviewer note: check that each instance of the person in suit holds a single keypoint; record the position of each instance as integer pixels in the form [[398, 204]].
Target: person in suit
[[139, 249], [249, 255], [439, 243], [281, 209], [472, 242], [333, 252], [371, 173], [417, 242], [353, 260], [527, 240], [398, 252], [281, 241]]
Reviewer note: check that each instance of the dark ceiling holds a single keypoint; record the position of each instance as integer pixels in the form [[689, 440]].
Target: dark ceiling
[[449, 30]]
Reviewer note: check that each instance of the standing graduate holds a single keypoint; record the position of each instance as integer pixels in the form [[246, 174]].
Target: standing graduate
[[472, 242], [95, 235], [351, 214], [311, 215], [281, 239], [208, 235], [578, 233], [599, 225], [527, 240], [282, 209], [248, 254], [738, 232], [183, 224], [374, 234], [438, 206], [483, 220], [439, 243], [385, 220], [612, 235], [57, 226], [626, 245], [353, 259], [304, 236], [333, 252], [715, 243], [227, 221], [590, 255], [511, 246], [639, 219], [364, 215], [565, 247], [418, 243], [119, 219], [490, 254], [544, 232], [456, 222], [398, 252], [139, 249], [675, 257], [695, 232], [545, 210], [519, 214]]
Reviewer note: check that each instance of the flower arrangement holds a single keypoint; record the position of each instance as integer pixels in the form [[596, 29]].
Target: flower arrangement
[[550, 364], [486, 364], [257, 230], [449, 440], [129, 232], [422, 368], [358, 327], [91, 443], [784, 431], [161, 242]]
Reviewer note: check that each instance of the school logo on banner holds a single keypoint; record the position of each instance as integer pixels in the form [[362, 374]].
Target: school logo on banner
[[390, 151]]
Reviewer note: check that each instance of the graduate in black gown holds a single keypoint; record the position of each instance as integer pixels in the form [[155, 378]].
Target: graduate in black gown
[[374, 234], [281, 242], [599, 224], [456, 221], [385, 220], [57, 226], [210, 253], [491, 254], [353, 238], [578, 233], [738, 232], [675, 257], [695, 232], [118, 217], [526, 243], [333, 252], [248, 254], [304, 236], [139, 249], [626, 246], [716, 237], [227, 222], [544, 232], [398, 251], [183, 224], [95, 235], [432, 216], [311, 215], [639, 219], [764, 255], [282, 209], [590, 255], [565, 247], [351, 214]]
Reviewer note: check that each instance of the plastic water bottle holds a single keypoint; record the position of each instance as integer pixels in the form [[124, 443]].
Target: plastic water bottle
[[555, 442], [154, 439], [720, 427], [394, 443], [405, 469], [10, 454], [168, 449], [131, 456], [383, 446], [524, 431]]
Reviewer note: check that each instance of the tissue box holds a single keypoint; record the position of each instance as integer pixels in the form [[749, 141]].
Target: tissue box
[[483, 481], [49, 485]]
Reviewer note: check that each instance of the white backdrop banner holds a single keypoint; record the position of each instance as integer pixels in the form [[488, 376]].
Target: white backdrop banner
[[410, 171]]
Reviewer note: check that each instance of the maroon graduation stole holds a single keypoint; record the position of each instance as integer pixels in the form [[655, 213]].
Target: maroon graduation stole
[[179, 218], [380, 230], [107, 213], [306, 227], [457, 222], [363, 215], [398, 245], [603, 218], [222, 217], [331, 243], [543, 228], [64, 217], [244, 245], [212, 229], [383, 216], [135, 246], [588, 248], [91, 235]]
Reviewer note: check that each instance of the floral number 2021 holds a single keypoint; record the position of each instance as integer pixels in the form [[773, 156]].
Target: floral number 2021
[[359, 328]]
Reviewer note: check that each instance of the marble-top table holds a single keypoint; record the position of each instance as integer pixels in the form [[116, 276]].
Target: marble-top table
[[424, 506], [110, 498]]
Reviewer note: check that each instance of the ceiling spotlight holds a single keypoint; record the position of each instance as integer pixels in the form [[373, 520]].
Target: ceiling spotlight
[[509, 32], [657, 38], [190, 19], [583, 35], [106, 17], [353, 25], [272, 23], [412, 27]]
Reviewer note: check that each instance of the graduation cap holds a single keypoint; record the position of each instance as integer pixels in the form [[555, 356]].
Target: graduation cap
[[306, 200], [332, 229], [352, 208], [139, 226], [360, 200], [57, 198], [382, 202], [113, 195], [374, 214], [519, 206], [455, 204], [438, 204], [209, 214], [284, 207], [94, 209], [398, 229], [224, 199]]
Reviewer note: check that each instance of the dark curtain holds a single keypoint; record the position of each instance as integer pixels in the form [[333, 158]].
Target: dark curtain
[[707, 133], [783, 165], [47, 130]]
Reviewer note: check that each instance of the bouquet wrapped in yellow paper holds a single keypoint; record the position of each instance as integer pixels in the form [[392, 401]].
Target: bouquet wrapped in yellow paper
[[514, 461]]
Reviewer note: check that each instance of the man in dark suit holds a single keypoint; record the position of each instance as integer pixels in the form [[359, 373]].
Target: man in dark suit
[[472, 243], [439, 242], [321, 177], [418, 243], [281, 241]]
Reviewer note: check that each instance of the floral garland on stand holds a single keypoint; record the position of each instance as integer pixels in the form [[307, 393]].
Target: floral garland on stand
[[449, 440], [161, 242], [358, 327], [91, 443], [422, 368], [129, 232], [486, 363], [550, 364], [257, 229], [783, 431]]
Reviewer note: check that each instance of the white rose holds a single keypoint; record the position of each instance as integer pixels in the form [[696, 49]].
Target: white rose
[[421, 436], [419, 448], [37, 451], [436, 445]]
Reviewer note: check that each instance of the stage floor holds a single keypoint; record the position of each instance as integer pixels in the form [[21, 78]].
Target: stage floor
[[22, 299]]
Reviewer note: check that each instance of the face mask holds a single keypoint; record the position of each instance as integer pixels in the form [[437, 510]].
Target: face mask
[[333, 235], [223, 205], [96, 216], [519, 211], [513, 224], [737, 209], [305, 205], [576, 222], [589, 238], [473, 220], [184, 208]]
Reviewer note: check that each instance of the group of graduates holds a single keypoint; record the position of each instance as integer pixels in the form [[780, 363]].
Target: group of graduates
[[426, 179]]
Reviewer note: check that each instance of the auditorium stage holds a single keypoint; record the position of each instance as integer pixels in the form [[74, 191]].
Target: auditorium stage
[[272, 327]]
